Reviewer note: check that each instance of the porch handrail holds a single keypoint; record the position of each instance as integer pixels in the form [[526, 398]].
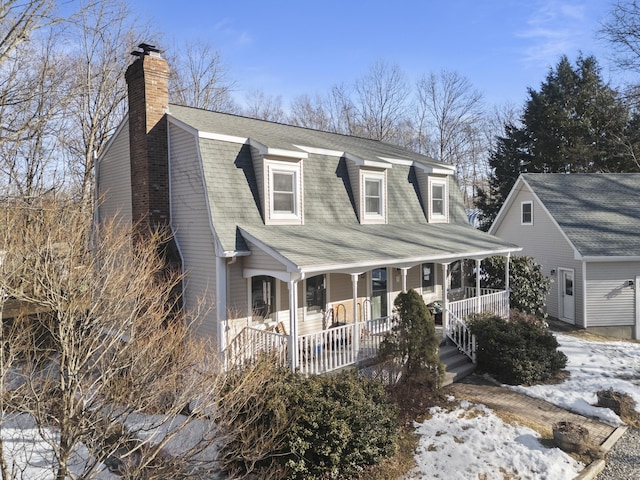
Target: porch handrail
[[471, 291], [334, 348], [496, 302], [250, 342], [458, 332]]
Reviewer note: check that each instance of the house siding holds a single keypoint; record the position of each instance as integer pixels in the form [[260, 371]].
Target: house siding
[[610, 299], [545, 243], [189, 221], [115, 171]]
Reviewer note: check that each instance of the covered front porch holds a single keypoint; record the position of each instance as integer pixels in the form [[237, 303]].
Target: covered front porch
[[351, 330]]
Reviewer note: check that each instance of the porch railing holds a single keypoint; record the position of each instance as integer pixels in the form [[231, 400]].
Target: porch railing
[[341, 346], [496, 302], [458, 332], [247, 346]]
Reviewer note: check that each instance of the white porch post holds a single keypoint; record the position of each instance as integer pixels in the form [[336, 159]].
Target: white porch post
[[478, 285], [445, 300], [404, 279], [506, 284], [293, 324], [356, 326]]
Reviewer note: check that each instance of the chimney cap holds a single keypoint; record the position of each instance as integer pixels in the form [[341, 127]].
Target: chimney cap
[[146, 50]]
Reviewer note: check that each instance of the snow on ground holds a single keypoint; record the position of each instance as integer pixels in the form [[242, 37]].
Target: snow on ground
[[472, 442], [594, 366], [30, 455]]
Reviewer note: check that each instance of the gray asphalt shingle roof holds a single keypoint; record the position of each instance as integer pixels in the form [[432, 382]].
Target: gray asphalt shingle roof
[[331, 233], [599, 213]]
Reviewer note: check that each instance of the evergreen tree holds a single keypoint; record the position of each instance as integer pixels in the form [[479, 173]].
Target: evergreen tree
[[574, 123], [413, 341]]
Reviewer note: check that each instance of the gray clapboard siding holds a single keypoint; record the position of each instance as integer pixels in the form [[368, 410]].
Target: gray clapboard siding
[[610, 299], [190, 223], [543, 241], [115, 170]]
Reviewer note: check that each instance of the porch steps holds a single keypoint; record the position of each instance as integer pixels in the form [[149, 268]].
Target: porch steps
[[457, 365]]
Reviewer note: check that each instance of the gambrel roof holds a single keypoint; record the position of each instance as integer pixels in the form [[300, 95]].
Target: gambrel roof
[[331, 234], [599, 213]]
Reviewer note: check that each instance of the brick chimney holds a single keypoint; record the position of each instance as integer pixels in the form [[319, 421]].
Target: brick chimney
[[148, 87]]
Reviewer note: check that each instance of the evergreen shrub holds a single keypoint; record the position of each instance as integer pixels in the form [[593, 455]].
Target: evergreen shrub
[[519, 351]]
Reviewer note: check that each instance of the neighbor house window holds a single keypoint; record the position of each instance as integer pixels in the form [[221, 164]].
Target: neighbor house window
[[438, 200], [373, 197], [527, 213], [283, 181], [428, 277]]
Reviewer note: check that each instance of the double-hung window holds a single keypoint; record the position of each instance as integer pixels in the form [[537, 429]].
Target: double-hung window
[[373, 198], [285, 192], [526, 209], [438, 200]]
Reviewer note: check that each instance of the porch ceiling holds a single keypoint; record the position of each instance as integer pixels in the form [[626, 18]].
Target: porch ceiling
[[316, 249]]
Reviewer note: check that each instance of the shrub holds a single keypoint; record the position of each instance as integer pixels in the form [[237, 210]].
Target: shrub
[[529, 287], [412, 341], [517, 351], [290, 426]]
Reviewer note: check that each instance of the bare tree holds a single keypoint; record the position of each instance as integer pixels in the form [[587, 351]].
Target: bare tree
[[109, 373], [34, 100], [99, 38], [263, 106], [381, 101], [622, 31], [310, 113], [199, 78]]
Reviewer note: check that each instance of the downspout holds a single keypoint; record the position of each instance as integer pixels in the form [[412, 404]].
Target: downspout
[[507, 287]]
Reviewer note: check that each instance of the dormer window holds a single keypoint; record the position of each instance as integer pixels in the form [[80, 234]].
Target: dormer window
[[438, 200], [373, 198], [284, 187], [284, 192]]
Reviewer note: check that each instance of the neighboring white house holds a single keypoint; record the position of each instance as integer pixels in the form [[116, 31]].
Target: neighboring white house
[[303, 235], [584, 229]]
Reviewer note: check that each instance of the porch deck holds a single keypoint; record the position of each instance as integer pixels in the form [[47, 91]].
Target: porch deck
[[346, 345]]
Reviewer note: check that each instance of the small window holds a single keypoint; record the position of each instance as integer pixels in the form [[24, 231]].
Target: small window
[[428, 277], [527, 213], [284, 192], [373, 196], [438, 200]]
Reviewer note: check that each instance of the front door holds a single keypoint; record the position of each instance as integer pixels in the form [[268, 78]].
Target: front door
[[263, 297], [567, 297], [379, 293]]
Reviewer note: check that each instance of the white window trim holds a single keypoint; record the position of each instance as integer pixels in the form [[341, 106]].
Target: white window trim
[[288, 168], [436, 217], [522, 204], [373, 217]]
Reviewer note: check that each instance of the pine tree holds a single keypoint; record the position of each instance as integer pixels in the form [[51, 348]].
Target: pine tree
[[575, 122]]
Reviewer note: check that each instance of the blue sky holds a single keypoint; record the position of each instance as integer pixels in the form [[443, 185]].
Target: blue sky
[[293, 47]]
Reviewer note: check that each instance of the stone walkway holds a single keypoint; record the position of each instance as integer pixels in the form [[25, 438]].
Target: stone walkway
[[535, 410]]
